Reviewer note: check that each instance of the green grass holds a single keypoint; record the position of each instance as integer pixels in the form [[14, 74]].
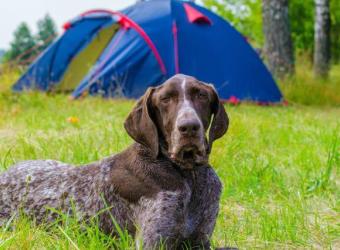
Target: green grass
[[304, 88], [279, 168]]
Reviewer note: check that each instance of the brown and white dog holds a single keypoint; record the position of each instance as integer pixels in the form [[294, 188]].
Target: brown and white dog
[[161, 188]]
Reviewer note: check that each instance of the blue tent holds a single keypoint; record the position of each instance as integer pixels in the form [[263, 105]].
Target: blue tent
[[122, 53]]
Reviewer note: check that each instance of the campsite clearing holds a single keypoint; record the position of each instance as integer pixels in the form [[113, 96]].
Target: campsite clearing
[[278, 166]]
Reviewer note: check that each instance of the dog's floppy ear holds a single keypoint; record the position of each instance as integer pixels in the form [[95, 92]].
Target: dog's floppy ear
[[220, 122], [140, 126]]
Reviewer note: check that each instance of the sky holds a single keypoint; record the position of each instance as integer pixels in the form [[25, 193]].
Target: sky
[[13, 12]]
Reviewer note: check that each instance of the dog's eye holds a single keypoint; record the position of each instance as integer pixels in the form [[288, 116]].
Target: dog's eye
[[165, 99], [202, 95]]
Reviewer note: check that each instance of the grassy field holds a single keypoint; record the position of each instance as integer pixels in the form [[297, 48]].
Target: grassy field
[[278, 165]]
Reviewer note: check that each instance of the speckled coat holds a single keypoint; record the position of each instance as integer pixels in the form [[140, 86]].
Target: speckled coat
[[159, 199], [156, 195]]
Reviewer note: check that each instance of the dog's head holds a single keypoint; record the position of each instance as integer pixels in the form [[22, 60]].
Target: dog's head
[[173, 119]]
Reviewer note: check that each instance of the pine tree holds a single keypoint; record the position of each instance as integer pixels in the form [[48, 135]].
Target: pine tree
[[47, 31], [21, 45]]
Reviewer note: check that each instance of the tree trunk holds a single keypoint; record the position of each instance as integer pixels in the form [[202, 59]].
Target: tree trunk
[[322, 28], [278, 42]]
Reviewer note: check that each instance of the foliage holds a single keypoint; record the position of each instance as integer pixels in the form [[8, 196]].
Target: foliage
[[244, 15], [26, 46], [278, 166], [335, 30], [23, 41], [304, 88], [302, 24], [47, 31]]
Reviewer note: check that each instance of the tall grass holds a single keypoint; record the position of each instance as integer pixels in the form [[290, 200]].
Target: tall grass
[[8, 76], [304, 88]]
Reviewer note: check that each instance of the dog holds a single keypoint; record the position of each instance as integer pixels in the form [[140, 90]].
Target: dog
[[161, 189]]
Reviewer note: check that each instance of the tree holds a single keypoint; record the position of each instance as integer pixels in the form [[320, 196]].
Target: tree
[[278, 43], [47, 31], [301, 14], [245, 16], [22, 44], [322, 29]]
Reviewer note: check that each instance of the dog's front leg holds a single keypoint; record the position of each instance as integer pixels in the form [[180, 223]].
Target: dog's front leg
[[204, 206], [161, 220]]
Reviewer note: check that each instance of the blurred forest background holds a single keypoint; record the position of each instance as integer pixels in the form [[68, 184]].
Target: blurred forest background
[[25, 46], [303, 23], [246, 16]]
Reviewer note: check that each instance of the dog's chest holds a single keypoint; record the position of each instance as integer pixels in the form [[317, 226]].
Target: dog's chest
[[171, 209]]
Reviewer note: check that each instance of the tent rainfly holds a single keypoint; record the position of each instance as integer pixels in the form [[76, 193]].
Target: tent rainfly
[[122, 53]]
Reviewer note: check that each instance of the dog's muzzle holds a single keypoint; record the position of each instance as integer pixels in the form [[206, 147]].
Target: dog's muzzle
[[188, 147]]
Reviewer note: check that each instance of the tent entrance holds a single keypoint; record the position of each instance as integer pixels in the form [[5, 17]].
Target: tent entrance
[[82, 63]]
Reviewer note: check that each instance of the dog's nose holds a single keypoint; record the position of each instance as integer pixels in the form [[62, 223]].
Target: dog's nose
[[189, 127]]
